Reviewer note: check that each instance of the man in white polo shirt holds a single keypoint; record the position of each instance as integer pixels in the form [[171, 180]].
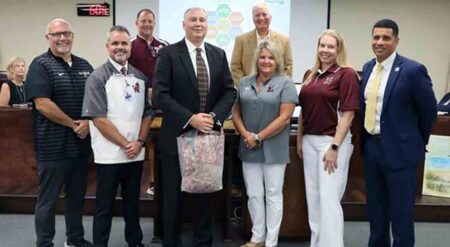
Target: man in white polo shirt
[[116, 101]]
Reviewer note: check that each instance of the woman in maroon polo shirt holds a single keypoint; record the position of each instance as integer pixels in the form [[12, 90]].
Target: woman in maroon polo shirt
[[329, 99]]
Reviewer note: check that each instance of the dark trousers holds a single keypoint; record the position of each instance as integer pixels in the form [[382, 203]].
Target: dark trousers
[[109, 176], [390, 198], [201, 203], [71, 173]]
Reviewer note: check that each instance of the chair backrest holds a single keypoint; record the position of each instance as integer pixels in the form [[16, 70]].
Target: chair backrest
[[3, 76]]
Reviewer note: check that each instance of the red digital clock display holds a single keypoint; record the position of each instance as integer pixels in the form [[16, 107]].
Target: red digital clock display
[[93, 9]]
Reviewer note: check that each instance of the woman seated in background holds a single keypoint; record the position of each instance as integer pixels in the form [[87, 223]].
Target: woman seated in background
[[262, 114], [13, 90], [328, 98]]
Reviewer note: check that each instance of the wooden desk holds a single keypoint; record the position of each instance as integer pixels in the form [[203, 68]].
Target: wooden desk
[[18, 172], [19, 181]]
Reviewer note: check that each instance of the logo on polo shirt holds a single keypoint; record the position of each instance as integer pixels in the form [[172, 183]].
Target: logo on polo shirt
[[60, 74], [84, 73], [136, 88], [328, 80]]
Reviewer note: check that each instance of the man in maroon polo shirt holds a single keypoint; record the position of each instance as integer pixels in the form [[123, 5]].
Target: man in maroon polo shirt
[[144, 53], [144, 46]]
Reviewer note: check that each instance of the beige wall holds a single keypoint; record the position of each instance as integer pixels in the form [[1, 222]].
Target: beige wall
[[424, 32], [23, 24]]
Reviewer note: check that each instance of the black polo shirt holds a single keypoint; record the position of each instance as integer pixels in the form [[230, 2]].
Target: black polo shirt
[[51, 77]]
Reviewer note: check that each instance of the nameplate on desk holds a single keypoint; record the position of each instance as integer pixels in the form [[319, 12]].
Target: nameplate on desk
[[20, 106]]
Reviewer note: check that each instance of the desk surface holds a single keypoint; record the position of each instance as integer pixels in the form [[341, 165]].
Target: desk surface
[[18, 172]]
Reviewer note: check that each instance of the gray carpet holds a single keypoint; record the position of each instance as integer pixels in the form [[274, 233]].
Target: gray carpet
[[18, 231]]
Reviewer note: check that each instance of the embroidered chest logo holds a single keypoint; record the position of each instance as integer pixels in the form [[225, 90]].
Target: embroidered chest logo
[[270, 89], [136, 88], [158, 47], [84, 73], [154, 50], [328, 80]]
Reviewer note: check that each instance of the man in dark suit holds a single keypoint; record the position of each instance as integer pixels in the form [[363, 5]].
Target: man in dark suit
[[193, 87], [398, 108]]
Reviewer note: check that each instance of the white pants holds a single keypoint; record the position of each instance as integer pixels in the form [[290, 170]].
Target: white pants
[[264, 184], [324, 191]]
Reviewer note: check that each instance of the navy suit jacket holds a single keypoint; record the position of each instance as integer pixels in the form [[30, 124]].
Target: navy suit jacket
[[408, 112], [175, 90]]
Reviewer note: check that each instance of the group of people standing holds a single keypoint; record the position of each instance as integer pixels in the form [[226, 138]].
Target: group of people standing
[[77, 109], [397, 108], [191, 82]]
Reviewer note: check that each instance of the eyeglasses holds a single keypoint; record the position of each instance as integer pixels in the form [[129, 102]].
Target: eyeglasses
[[65, 34]]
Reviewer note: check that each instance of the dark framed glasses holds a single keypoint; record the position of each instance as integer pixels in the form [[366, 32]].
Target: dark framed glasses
[[65, 34]]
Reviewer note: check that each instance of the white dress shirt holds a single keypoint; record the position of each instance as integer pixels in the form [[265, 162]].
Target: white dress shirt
[[259, 40], [193, 54], [118, 66]]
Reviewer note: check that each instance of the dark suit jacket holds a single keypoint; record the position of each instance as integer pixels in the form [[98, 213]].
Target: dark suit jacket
[[408, 113], [175, 90]]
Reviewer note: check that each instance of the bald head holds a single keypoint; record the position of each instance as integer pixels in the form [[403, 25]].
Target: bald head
[[60, 37], [188, 11], [56, 21]]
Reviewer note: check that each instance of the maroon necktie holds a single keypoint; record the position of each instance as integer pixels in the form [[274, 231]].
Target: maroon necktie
[[123, 70], [202, 77]]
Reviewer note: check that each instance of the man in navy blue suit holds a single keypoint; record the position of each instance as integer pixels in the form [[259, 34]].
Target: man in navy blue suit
[[398, 108]]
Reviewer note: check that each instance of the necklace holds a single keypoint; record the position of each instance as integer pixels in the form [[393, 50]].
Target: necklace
[[21, 92], [261, 82]]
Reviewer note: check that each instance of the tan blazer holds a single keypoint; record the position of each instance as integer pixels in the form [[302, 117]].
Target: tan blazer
[[244, 50]]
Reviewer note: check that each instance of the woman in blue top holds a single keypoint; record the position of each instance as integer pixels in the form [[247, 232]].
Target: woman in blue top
[[262, 114]]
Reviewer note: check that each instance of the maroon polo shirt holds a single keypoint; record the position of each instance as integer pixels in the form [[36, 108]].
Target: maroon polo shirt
[[143, 55], [335, 89]]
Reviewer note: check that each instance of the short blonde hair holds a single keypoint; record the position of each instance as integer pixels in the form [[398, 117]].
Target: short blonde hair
[[10, 65], [273, 49]]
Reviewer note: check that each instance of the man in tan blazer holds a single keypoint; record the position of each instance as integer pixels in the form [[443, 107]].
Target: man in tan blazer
[[245, 44]]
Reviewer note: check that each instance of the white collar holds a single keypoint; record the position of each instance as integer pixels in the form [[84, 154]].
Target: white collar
[[117, 65], [388, 62], [258, 38], [148, 42], [191, 47]]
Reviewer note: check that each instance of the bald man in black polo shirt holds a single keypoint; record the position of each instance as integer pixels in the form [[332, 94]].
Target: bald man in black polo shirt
[[55, 85]]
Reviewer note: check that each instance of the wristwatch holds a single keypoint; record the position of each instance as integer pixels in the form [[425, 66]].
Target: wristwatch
[[334, 146], [257, 140], [141, 141], [213, 116]]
